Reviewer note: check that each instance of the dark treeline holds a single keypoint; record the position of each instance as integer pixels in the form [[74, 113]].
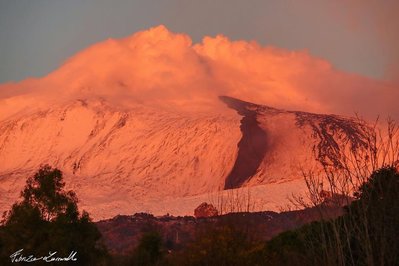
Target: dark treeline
[[366, 234], [47, 219]]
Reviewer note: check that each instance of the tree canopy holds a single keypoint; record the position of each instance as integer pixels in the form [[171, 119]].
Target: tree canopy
[[47, 219]]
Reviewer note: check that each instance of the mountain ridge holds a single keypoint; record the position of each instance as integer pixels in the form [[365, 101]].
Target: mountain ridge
[[121, 161]]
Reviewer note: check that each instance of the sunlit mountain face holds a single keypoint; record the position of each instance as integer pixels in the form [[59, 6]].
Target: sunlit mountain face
[[155, 123]]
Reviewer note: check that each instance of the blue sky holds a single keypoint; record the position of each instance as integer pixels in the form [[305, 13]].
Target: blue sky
[[36, 37]]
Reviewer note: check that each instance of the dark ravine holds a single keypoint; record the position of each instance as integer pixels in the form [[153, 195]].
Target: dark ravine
[[252, 147], [332, 135]]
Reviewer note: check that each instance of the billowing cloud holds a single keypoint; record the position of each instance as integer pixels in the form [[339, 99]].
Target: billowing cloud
[[166, 70]]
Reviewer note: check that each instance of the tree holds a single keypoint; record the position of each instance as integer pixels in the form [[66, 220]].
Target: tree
[[366, 234], [351, 237], [375, 213], [149, 250], [47, 219], [222, 242]]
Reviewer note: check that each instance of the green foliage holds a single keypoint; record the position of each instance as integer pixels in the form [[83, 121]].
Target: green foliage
[[45, 191], [375, 218], [367, 234], [47, 219], [287, 249], [149, 250], [219, 244]]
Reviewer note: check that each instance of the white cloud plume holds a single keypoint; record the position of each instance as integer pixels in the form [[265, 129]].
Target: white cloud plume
[[159, 68]]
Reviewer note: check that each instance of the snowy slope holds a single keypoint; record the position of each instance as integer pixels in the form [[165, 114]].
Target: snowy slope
[[146, 159], [141, 123]]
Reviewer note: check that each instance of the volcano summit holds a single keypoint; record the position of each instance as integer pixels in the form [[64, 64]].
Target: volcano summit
[[157, 124]]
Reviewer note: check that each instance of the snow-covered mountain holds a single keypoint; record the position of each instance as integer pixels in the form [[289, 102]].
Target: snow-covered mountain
[[148, 159], [141, 123]]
